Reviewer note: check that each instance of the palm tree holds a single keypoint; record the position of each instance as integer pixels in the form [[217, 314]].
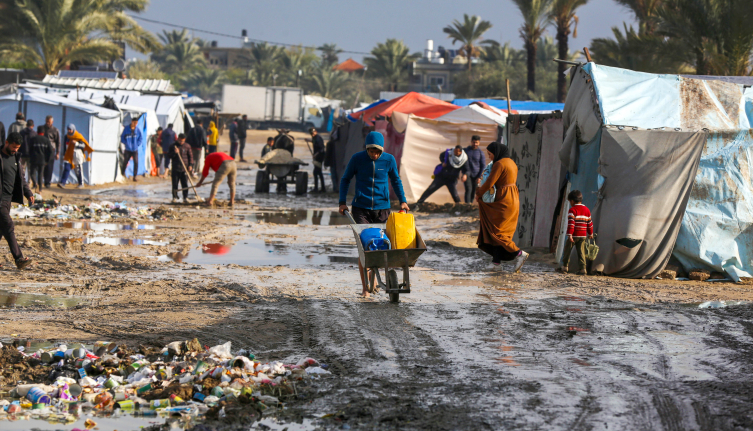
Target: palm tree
[[535, 20], [56, 33], [204, 82], [297, 59], [468, 33], [563, 15], [505, 54], [389, 62], [328, 82], [645, 12], [631, 49], [263, 63], [182, 56], [330, 53], [141, 69]]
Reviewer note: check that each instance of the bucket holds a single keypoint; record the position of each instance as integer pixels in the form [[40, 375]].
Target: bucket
[[159, 404], [125, 405], [38, 396]]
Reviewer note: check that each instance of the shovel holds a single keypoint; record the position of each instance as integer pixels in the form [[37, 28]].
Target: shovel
[[188, 174]]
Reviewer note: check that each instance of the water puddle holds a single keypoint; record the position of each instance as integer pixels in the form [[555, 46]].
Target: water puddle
[[115, 241], [255, 252], [111, 422], [298, 217], [90, 225], [11, 299]]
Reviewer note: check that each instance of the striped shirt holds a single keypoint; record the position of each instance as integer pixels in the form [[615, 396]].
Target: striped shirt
[[579, 223]]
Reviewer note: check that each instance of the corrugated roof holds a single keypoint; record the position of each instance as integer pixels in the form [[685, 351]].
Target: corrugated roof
[[146, 85]]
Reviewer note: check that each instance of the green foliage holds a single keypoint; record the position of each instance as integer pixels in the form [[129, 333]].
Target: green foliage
[[55, 33], [468, 33], [536, 17], [141, 69], [327, 82], [203, 82], [330, 53], [180, 53], [390, 62], [635, 51]]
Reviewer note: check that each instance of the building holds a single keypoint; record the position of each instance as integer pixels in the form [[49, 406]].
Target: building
[[224, 58], [350, 66], [434, 72]]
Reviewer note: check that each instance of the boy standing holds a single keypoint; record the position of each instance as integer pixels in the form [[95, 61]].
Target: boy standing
[[579, 227], [180, 150]]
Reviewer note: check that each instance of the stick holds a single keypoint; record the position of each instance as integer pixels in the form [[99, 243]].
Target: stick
[[189, 188], [188, 174], [588, 54], [572, 63], [509, 109]]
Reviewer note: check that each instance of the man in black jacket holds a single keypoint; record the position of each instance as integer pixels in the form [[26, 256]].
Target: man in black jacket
[[41, 152], [53, 134], [197, 139], [14, 189], [318, 155], [181, 150], [453, 164], [242, 132]]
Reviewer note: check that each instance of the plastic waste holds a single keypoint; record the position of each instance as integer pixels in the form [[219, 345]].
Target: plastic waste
[[221, 351]]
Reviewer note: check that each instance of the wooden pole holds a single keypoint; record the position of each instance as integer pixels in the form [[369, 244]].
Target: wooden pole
[[588, 54], [509, 109], [188, 174]]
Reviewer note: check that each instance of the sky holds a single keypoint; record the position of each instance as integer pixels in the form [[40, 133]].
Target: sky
[[356, 25]]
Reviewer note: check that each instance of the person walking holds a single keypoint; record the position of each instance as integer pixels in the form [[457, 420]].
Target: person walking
[[233, 131], [156, 145], [27, 134], [213, 138], [224, 166], [41, 152], [454, 163], [53, 134], [19, 125], [131, 138], [579, 228], [77, 152], [242, 133], [499, 219], [374, 170], [476, 164], [197, 139], [180, 150], [168, 139], [318, 155], [269, 146], [14, 189]]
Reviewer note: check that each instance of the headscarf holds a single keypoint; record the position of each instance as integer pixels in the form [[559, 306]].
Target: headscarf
[[214, 136], [72, 126], [72, 139], [500, 151], [457, 162]]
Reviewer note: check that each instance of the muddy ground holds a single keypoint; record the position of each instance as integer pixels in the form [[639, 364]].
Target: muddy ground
[[471, 347]]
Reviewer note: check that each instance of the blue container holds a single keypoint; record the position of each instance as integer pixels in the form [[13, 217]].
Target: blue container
[[373, 239]]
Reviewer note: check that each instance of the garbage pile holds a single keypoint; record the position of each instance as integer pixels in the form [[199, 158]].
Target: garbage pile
[[103, 211], [184, 378]]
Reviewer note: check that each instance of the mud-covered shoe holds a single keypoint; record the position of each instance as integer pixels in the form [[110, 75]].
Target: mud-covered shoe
[[519, 261], [562, 269], [23, 262], [582, 272]]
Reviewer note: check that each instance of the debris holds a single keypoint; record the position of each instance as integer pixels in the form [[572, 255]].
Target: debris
[[699, 275], [102, 211]]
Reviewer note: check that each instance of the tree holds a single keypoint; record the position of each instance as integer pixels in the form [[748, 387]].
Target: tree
[[389, 62], [55, 33], [180, 52], [563, 15], [263, 63], [330, 53], [645, 12], [204, 82], [635, 51], [535, 20], [328, 82], [141, 69], [505, 54], [298, 59], [468, 33]]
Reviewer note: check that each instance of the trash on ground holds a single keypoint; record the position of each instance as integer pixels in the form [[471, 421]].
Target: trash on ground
[[102, 211], [721, 304]]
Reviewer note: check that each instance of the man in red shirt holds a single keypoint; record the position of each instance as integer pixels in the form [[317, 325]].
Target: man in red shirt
[[224, 166], [579, 227]]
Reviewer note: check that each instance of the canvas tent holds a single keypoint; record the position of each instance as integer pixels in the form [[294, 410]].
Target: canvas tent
[[100, 126], [411, 103], [149, 123], [522, 107], [476, 114], [664, 163]]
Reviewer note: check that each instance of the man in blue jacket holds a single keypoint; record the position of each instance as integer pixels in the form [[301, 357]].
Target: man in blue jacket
[[131, 138], [374, 171], [476, 165]]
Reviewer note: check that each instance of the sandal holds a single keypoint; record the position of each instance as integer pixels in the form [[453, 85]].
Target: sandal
[[23, 262]]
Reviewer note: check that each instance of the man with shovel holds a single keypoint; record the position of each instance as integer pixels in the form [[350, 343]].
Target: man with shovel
[[182, 160]]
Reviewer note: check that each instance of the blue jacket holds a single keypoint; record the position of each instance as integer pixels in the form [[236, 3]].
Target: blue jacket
[[476, 161], [168, 139], [372, 186], [131, 138]]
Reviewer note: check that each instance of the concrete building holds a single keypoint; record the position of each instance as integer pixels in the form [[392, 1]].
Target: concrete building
[[434, 72]]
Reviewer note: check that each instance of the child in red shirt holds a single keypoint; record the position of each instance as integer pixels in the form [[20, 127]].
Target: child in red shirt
[[579, 227]]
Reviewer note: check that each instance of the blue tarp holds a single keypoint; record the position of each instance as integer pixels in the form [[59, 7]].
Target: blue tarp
[[142, 150], [378, 102], [516, 105]]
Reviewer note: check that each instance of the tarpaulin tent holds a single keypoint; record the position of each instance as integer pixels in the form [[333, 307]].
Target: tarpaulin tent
[[637, 232], [475, 114], [411, 103], [522, 107], [100, 126], [425, 139]]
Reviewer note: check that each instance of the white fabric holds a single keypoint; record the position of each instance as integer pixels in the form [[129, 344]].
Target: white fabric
[[475, 114], [457, 162]]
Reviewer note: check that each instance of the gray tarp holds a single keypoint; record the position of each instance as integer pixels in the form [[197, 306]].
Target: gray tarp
[[648, 177]]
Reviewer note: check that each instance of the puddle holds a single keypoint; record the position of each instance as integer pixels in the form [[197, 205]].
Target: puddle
[[114, 421], [254, 252], [299, 217], [90, 225], [115, 241], [11, 299]]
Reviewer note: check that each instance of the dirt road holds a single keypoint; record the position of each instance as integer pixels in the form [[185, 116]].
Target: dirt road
[[472, 347]]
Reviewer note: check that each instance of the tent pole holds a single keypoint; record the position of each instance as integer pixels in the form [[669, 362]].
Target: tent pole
[[507, 82], [588, 54]]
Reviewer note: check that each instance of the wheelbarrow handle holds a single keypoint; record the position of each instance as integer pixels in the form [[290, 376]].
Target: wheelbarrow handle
[[350, 216]]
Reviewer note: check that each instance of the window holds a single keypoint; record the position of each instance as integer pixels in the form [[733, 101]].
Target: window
[[436, 80]]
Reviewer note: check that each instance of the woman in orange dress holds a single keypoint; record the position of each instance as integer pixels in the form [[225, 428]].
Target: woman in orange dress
[[499, 218]]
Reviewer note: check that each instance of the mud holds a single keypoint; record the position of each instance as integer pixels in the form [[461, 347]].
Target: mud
[[472, 346]]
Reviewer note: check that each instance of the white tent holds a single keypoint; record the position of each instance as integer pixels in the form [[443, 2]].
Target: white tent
[[100, 126], [476, 114]]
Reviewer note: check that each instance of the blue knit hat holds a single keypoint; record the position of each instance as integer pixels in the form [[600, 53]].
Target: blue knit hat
[[375, 140]]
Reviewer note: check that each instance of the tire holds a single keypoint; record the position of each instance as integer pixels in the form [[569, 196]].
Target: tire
[[262, 182], [301, 183], [392, 283]]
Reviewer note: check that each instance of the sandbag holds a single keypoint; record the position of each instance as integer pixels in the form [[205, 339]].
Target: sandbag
[[401, 231]]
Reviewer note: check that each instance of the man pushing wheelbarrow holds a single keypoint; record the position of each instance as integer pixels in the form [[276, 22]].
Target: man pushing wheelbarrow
[[374, 171]]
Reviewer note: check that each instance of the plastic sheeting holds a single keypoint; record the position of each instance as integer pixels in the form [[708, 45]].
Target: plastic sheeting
[[475, 114], [522, 107], [647, 175], [550, 172], [717, 230], [144, 150], [428, 107]]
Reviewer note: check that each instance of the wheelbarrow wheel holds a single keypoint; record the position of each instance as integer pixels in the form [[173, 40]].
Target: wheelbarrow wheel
[[392, 283], [262, 182]]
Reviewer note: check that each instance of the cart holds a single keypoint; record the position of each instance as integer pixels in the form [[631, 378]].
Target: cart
[[386, 259], [286, 173]]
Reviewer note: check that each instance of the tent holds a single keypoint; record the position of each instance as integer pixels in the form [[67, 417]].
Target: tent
[[664, 163], [522, 107], [425, 140], [100, 126], [476, 114], [411, 103]]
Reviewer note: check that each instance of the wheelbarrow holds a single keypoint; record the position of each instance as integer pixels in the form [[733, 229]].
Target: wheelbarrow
[[387, 260], [286, 173]]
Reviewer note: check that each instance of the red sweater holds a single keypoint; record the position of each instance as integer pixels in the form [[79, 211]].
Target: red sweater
[[579, 223], [214, 161]]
